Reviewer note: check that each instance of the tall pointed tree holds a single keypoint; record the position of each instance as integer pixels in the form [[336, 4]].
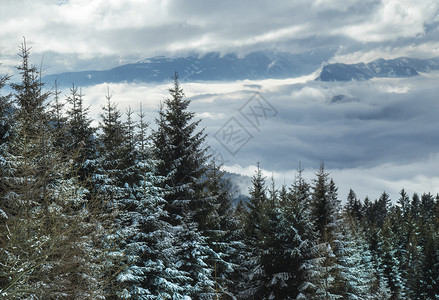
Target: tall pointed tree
[[111, 141], [324, 268], [49, 253], [252, 285], [324, 207], [302, 237], [58, 120], [224, 235], [429, 277], [353, 206], [6, 124], [179, 149], [81, 145]]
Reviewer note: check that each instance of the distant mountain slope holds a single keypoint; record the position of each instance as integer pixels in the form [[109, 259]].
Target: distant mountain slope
[[399, 67], [256, 65], [212, 66]]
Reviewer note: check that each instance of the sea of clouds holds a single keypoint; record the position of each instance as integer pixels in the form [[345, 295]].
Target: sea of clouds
[[373, 136]]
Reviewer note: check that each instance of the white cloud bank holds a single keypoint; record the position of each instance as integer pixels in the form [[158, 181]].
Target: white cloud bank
[[77, 34], [382, 136]]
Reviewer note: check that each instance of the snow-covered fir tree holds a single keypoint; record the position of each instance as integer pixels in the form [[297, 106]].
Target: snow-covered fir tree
[[182, 160], [429, 278], [357, 269], [390, 261], [179, 146], [302, 235], [148, 239], [116, 188], [252, 284], [6, 124], [324, 269], [276, 256], [223, 232], [81, 144], [48, 237]]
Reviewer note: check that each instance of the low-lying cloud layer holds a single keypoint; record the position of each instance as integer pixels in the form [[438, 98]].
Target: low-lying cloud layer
[[373, 136]]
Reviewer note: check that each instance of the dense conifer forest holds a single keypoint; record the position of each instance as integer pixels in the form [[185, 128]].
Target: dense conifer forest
[[125, 212]]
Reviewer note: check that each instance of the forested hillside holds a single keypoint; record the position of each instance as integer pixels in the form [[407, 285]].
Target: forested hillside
[[125, 212]]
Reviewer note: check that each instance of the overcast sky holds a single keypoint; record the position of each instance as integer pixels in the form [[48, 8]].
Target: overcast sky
[[82, 34], [382, 135]]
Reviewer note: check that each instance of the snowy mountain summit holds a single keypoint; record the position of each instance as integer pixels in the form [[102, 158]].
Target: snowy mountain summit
[[399, 67]]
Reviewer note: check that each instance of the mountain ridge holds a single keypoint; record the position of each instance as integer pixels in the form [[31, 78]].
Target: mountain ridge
[[253, 66], [207, 67], [379, 68]]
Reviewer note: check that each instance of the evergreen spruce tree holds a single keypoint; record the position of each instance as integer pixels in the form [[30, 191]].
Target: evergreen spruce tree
[[6, 124], [381, 209], [324, 269], [356, 261], [415, 206], [302, 237], [58, 121], [404, 203], [148, 242], [111, 150], [283, 194], [322, 204], [380, 287], [146, 239], [6, 210], [353, 206], [255, 217], [390, 261], [6, 111], [427, 208], [178, 148], [276, 249], [412, 265], [252, 284], [296, 236], [29, 150], [400, 216], [81, 145], [49, 251], [118, 179], [429, 276], [224, 235], [367, 212]]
